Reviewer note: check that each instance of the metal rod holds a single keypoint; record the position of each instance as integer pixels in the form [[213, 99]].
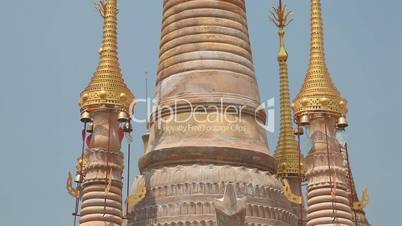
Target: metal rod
[[77, 200], [83, 150], [77, 203], [300, 178], [128, 175], [146, 100]]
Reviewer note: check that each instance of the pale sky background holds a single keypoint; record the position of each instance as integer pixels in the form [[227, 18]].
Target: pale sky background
[[48, 52]]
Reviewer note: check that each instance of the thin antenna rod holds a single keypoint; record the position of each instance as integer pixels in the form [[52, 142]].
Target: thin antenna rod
[[300, 177], [77, 200], [146, 99], [128, 175]]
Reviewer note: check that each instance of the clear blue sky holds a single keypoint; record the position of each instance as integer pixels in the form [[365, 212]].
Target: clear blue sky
[[48, 52]]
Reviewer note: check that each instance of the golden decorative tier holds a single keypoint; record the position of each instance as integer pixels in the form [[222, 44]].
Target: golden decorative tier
[[107, 88], [318, 93]]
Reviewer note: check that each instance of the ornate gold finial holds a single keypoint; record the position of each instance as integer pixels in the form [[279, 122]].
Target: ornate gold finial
[[287, 153], [318, 93], [107, 88], [281, 17]]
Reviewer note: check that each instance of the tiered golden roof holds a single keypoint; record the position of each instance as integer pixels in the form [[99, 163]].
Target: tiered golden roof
[[287, 153], [107, 88], [318, 93]]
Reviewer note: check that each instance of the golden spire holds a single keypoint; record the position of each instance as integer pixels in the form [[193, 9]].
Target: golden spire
[[107, 88], [287, 153], [318, 93]]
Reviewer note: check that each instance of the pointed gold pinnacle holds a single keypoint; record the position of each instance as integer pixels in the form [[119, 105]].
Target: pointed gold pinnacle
[[318, 93], [107, 88]]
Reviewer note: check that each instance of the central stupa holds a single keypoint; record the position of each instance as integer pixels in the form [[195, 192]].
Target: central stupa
[[207, 161]]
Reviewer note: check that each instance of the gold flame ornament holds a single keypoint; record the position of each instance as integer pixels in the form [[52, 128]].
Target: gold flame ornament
[[363, 202], [289, 195], [139, 194], [74, 192]]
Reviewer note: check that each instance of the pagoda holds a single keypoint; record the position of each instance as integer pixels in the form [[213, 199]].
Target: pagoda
[[207, 160], [320, 108], [105, 105], [290, 161]]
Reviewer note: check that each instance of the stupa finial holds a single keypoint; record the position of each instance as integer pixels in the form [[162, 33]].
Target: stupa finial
[[318, 93], [286, 150], [107, 88]]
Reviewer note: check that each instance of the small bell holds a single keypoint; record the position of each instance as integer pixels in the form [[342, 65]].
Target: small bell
[[342, 122], [127, 127], [90, 127], [123, 116], [304, 120], [298, 131], [145, 139], [78, 179], [86, 117]]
